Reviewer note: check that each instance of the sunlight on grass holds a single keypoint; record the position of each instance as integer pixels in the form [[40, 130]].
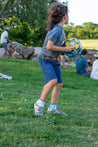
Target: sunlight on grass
[[89, 44]]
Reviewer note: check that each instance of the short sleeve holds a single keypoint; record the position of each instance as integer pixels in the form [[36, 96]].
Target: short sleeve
[[6, 34], [54, 34]]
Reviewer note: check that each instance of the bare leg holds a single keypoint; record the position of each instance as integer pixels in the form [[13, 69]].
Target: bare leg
[[55, 93], [47, 88], [63, 60], [5, 53], [54, 99]]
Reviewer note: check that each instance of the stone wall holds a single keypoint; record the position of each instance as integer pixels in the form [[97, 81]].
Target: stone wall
[[33, 53], [90, 56], [19, 51]]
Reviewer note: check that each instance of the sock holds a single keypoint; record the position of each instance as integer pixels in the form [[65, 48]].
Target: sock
[[52, 106], [40, 102]]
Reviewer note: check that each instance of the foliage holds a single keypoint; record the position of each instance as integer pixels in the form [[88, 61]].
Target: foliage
[[20, 127], [89, 30], [22, 33], [31, 12], [38, 36], [19, 31], [27, 22]]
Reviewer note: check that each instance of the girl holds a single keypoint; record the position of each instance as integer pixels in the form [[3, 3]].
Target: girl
[[48, 59]]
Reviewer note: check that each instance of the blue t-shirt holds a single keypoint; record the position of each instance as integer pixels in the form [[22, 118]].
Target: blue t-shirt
[[57, 36], [81, 65]]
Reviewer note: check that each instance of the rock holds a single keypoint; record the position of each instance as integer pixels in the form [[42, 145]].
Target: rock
[[16, 55], [19, 51], [66, 58], [36, 53], [35, 57], [90, 56], [37, 50]]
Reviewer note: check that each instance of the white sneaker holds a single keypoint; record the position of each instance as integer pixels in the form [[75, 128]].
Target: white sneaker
[[57, 110], [39, 110]]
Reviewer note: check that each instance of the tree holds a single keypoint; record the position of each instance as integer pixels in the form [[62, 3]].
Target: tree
[[4, 7], [26, 10], [80, 33], [34, 12], [89, 27], [33, 15]]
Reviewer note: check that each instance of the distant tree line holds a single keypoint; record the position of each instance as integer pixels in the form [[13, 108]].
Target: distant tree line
[[88, 30], [27, 20]]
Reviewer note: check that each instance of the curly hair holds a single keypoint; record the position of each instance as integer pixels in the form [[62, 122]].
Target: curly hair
[[55, 14]]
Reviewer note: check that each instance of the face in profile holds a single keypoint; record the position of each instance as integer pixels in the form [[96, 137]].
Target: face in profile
[[66, 18]]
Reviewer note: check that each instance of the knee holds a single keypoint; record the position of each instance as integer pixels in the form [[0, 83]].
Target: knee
[[53, 82], [60, 85]]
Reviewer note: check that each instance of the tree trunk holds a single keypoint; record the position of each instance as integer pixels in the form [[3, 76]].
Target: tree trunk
[[4, 7]]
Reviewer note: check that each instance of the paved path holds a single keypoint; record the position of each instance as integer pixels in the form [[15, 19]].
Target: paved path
[[1, 52]]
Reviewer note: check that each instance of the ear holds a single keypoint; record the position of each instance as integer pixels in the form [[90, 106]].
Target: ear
[[65, 16]]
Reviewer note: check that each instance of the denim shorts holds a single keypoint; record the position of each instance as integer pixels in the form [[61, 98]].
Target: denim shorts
[[5, 46], [51, 70]]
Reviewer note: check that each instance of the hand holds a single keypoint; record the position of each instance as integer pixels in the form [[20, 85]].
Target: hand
[[69, 48], [89, 62], [10, 41]]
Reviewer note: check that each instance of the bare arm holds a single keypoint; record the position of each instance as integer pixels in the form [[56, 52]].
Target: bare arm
[[7, 38], [52, 47], [88, 69]]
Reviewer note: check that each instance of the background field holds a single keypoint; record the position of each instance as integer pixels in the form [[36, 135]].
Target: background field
[[19, 127], [89, 44]]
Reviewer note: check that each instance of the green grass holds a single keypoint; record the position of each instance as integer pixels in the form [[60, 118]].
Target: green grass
[[90, 44], [19, 127]]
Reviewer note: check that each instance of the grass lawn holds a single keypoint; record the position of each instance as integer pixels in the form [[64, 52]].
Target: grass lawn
[[90, 44], [19, 127]]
